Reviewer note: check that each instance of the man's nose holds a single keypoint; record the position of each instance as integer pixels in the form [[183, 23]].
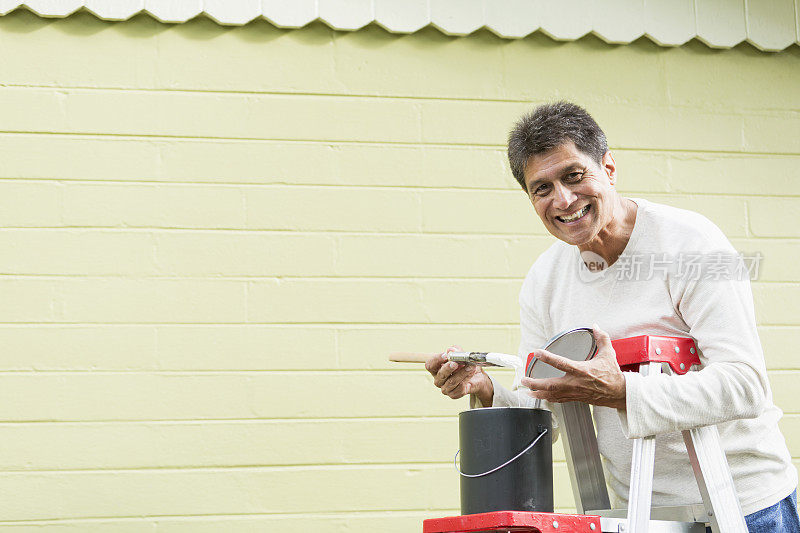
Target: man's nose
[[562, 196]]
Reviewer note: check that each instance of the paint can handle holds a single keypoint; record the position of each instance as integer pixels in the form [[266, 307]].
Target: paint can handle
[[495, 469]]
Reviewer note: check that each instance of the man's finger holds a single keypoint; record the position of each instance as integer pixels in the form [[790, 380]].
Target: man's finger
[[434, 364], [544, 384], [458, 392], [458, 377], [455, 385], [548, 396], [445, 372], [556, 361], [551, 389], [539, 395], [542, 395], [602, 339]]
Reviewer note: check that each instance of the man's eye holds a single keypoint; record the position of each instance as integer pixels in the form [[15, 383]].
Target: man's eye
[[541, 189], [575, 176]]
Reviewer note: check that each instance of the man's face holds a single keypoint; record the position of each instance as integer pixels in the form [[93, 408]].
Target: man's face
[[571, 193]]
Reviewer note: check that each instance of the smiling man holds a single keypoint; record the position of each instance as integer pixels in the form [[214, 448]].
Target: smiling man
[[644, 286]]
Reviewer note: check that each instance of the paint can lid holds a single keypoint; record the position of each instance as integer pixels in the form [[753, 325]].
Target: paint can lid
[[577, 344]]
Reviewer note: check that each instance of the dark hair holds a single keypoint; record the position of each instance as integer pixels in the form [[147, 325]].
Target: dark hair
[[549, 126]]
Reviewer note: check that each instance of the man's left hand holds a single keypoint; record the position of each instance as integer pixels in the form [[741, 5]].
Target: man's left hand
[[598, 381]]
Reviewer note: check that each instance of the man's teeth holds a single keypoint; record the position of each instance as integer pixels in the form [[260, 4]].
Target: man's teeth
[[574, 216]]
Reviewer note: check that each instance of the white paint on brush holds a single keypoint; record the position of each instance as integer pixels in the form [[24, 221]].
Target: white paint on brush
[[504, 359]]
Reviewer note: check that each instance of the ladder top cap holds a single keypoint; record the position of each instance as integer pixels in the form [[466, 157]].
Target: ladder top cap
[[679, 352]]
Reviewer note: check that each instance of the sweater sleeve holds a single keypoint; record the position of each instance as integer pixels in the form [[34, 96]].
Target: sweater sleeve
[[731, 383], [503, 397]]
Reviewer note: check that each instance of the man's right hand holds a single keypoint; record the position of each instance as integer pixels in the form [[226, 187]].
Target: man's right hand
[[457, 379]]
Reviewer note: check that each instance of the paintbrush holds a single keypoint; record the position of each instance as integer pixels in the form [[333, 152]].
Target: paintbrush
[[467, 358]]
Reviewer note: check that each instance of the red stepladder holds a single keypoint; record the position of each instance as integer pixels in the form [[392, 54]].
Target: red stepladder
[[648, 355]]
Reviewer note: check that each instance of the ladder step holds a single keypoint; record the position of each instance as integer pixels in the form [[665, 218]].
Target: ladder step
[[619, 525]]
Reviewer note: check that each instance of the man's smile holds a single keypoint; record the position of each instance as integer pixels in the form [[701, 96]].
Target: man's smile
[[576, 215]]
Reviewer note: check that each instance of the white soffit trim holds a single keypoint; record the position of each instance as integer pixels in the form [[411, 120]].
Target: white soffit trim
[[769, 25]]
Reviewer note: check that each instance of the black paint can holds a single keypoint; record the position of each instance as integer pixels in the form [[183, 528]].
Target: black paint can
[[502, 469]]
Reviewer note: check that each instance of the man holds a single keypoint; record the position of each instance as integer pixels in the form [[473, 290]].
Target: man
[[560, 157]]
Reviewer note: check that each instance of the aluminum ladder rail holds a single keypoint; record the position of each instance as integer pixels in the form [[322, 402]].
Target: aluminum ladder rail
[[648, 354]]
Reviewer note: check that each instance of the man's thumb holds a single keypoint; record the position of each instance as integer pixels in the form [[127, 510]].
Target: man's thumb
[[602, 339]]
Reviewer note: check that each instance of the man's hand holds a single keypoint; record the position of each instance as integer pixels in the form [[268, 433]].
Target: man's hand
[[456, 379], [598, 381]]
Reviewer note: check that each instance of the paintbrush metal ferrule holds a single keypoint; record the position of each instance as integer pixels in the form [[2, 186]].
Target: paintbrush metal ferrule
[[469, 358]]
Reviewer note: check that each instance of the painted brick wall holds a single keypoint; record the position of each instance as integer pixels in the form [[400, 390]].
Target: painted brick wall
[[212, 237]]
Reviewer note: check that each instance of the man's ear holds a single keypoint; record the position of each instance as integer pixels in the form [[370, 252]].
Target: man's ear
[[610, 167]]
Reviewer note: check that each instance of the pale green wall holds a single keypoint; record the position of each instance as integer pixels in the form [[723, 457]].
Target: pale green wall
[[212, 237]]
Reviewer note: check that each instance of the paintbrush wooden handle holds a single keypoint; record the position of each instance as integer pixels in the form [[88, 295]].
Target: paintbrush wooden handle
[[410, 357]]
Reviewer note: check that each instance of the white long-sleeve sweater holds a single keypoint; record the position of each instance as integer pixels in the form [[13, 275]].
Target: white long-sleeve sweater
[[731, 387]]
